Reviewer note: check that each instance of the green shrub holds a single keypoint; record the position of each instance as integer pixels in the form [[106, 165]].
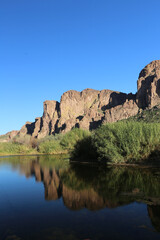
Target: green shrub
[[63, 143], [56, 137], [50, 147], [84, 150], [69, 139], [22, 139], [120, 142], [126, 141]]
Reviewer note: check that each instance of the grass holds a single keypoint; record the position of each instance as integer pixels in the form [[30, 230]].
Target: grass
[[11, 148], [58, 144]]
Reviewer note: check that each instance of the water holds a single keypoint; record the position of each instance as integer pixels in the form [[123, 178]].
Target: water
[[48, 198]]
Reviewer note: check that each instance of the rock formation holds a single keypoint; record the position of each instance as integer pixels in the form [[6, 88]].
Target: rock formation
[[90, 108], [87, 109], [148, 85]]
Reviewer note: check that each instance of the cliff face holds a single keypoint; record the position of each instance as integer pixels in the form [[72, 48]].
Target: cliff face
[[148, 85], [90, 108], [87, 109]]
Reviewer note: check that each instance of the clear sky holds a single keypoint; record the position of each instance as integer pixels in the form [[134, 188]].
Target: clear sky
[[50, 46]]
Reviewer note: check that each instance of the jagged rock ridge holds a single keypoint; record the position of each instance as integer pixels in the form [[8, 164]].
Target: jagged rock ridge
[[87, 109], [90, 108]]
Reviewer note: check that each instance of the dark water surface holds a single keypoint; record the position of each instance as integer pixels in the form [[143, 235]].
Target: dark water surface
[[48, 198]]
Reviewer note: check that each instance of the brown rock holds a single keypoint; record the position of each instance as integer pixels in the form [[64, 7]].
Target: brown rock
[[75, 104], [49, 118], [148, 85], [128, 109], [86, 109], [12, 134], [37, 128], [28, 128]]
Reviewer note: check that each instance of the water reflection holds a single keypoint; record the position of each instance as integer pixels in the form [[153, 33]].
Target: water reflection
[[93, 187]]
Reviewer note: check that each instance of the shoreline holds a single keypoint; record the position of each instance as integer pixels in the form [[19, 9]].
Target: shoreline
[[34, 154], [134, 165], [142, 164]]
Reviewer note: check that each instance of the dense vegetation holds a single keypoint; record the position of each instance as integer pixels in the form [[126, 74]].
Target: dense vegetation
[[62, 143], [133, 140], [129, 141], [58, 144], [120, 142]]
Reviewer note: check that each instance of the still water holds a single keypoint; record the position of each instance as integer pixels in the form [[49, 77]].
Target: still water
[[46, 198]]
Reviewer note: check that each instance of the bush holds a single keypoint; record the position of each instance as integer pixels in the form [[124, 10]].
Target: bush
[[22, 139], [126, 141], [50, 147], [62, 144], [56, 137], [69, 139], [84, 150], [120, 142]]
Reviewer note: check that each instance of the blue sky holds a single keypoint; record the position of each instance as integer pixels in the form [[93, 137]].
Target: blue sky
[[50, 46]]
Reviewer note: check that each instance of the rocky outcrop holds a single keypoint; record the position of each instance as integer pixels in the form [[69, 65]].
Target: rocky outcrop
[[12, 134], [8, 136], [48, 121], [44, 125], [148, 85], [124, 111], [90, 108], [28, 128], [87, 109]]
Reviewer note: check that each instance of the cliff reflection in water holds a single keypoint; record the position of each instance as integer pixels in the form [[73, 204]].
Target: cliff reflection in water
[[96, 187]]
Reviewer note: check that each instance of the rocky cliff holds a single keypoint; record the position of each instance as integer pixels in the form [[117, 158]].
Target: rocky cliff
[[90, 108], [148, 85]]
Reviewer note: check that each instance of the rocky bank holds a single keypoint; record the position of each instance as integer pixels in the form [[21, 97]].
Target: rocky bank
[[90, 108]]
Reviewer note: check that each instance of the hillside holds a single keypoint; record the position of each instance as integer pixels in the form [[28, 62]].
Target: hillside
[[148, 115], [91, 108]]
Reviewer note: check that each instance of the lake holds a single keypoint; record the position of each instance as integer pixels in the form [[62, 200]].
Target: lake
[[46, 197]]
